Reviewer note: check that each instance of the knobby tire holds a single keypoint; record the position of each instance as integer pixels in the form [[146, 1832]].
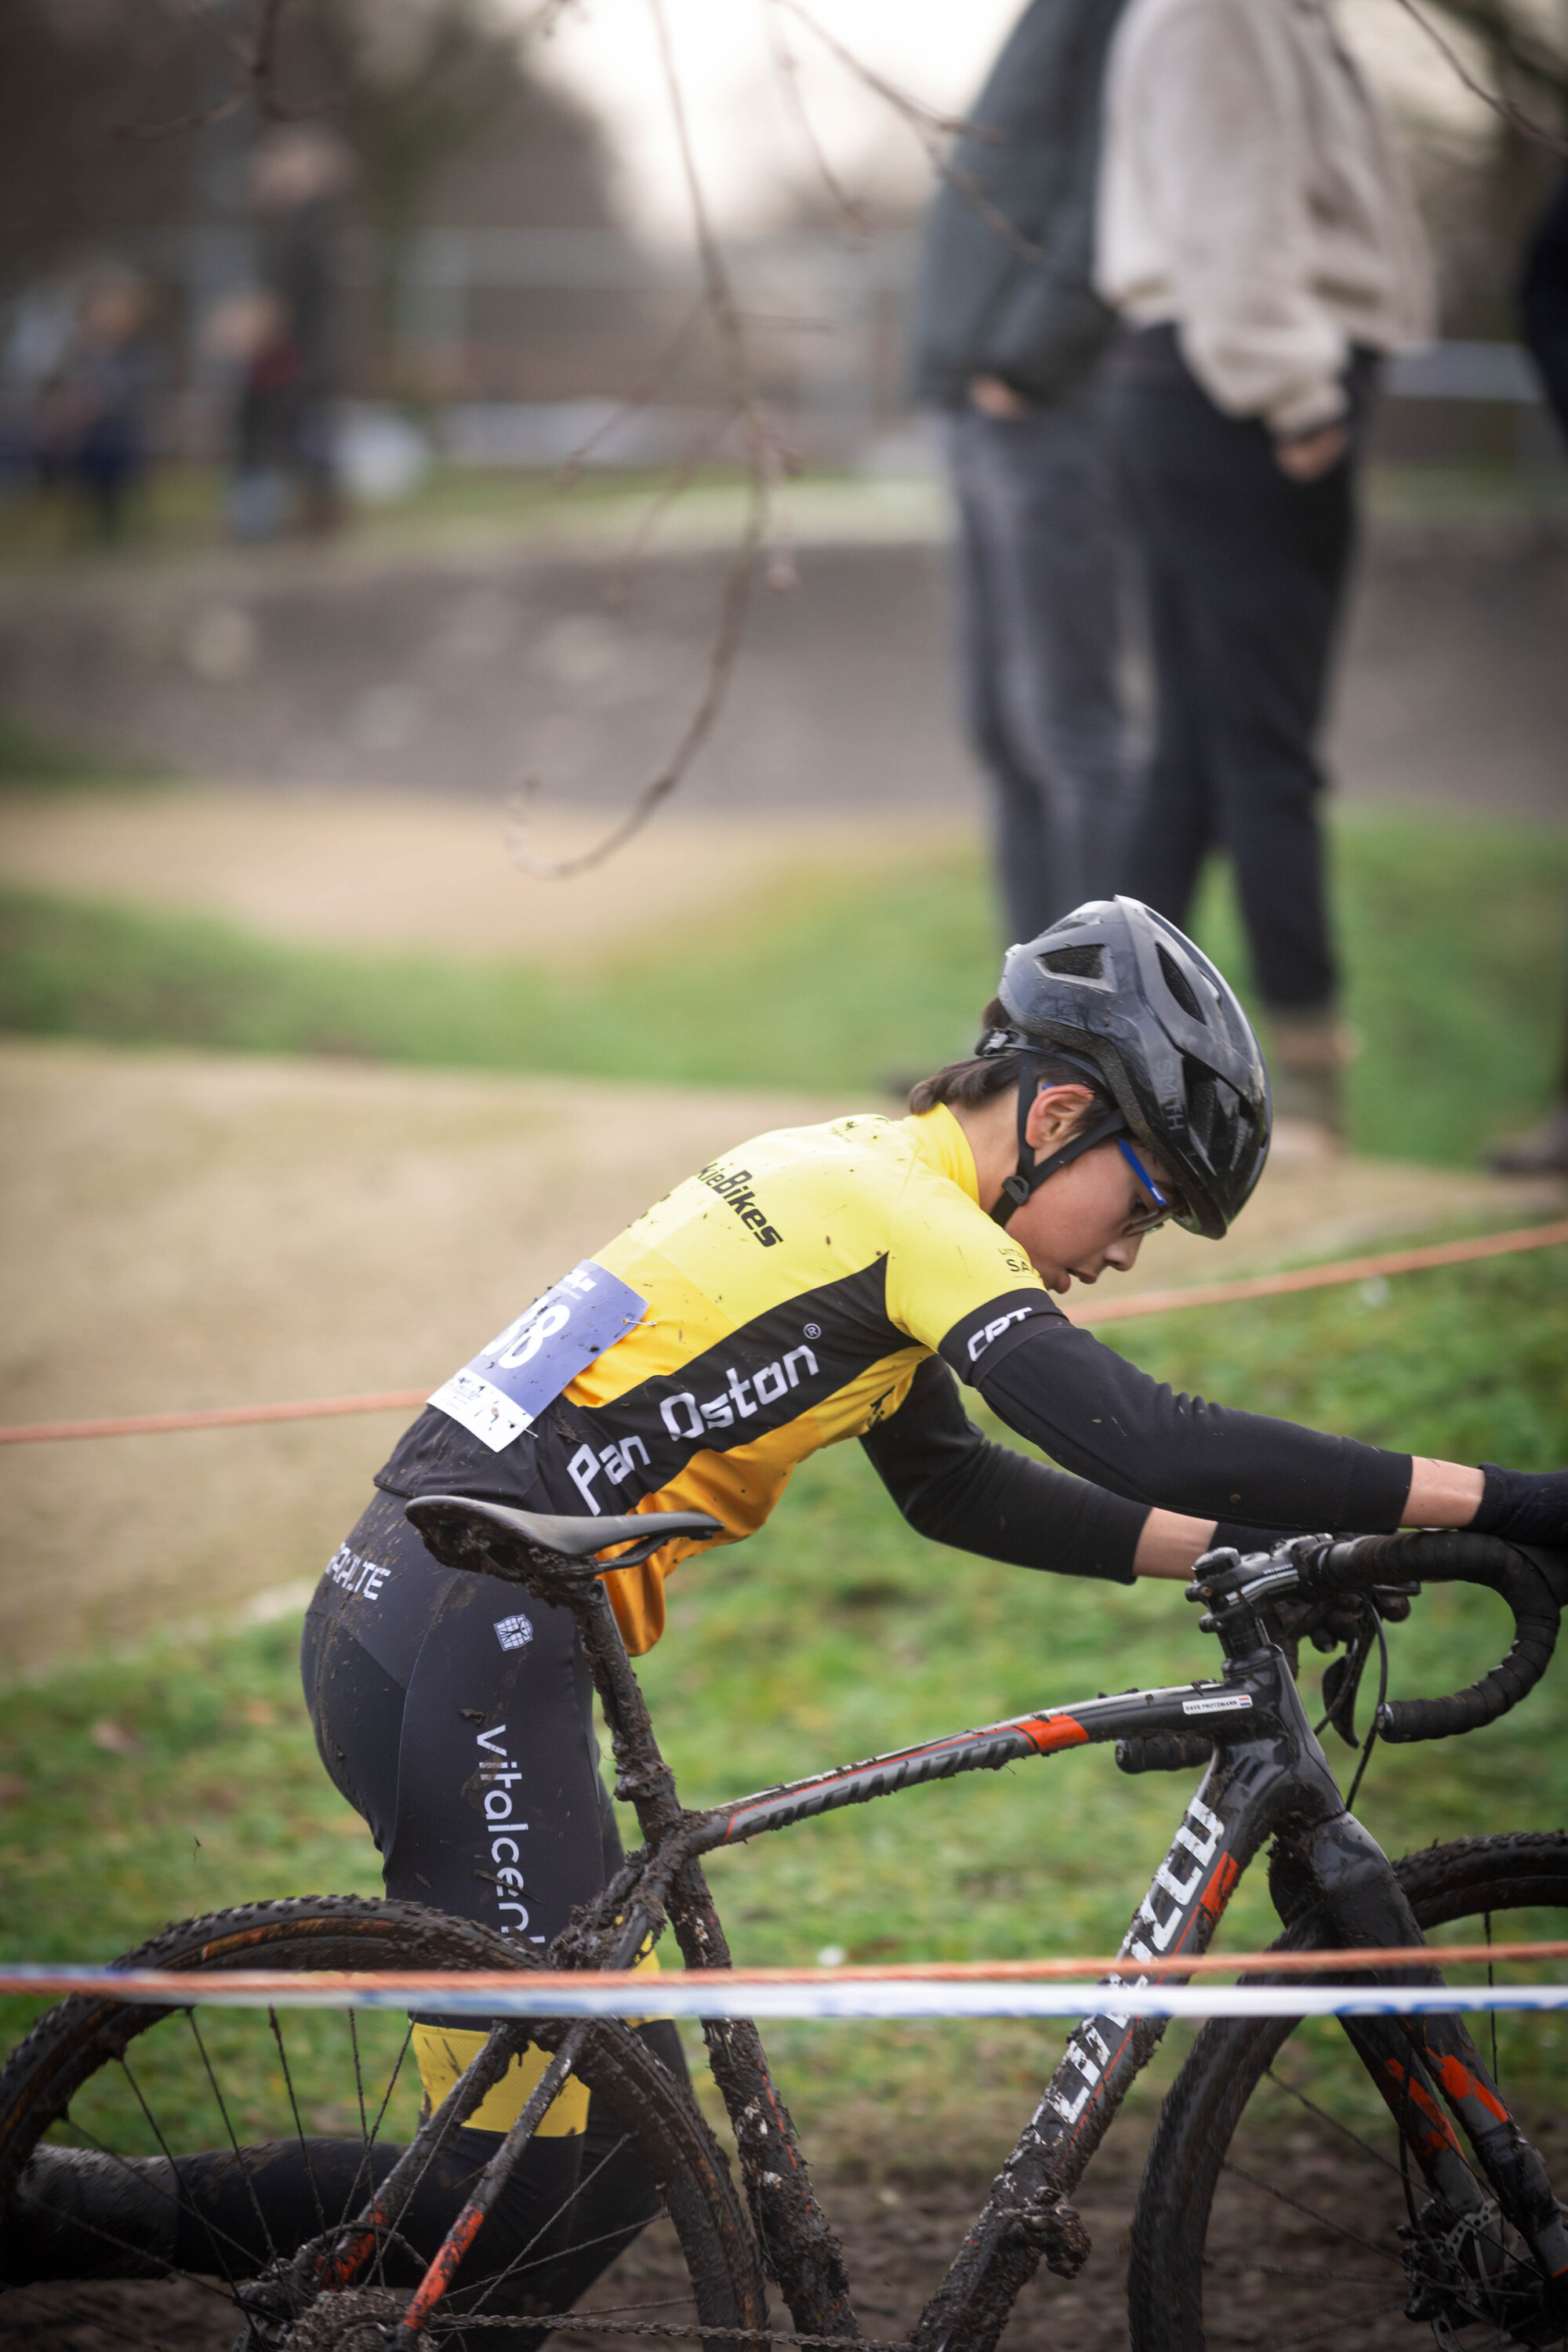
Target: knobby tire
[[1180, 2288], [86, 2034]]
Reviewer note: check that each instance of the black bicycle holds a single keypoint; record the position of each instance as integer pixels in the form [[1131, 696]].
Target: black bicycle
[[1328, 2181]]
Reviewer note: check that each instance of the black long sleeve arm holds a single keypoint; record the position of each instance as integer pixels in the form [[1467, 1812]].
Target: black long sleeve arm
[[1099, 1415], [955, 1485]]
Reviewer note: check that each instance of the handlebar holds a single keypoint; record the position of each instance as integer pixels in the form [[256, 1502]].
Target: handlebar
[[1534, 1583]]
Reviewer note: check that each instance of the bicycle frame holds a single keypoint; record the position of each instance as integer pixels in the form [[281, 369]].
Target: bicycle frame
[[1268, 1779]]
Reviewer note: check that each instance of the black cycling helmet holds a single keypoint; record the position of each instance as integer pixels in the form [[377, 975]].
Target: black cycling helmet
[[1119, 990]]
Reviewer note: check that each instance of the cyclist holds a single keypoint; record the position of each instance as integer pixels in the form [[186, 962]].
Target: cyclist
[[814, 1285]]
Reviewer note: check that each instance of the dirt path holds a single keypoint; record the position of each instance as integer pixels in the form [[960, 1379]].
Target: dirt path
[[405, 873]]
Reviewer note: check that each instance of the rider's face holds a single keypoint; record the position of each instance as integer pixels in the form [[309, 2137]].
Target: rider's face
[[1089, 1216]]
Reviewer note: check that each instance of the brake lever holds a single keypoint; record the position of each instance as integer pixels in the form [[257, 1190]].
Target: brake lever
[[1341, 1680]]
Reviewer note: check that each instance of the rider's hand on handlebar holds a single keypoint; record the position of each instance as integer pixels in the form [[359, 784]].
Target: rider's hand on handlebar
[[1330, 1622], [1337, 1618], [1523, 1505]]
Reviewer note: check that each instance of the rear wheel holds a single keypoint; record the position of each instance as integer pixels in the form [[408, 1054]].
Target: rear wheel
[[292, 2115], [1279, 2207]]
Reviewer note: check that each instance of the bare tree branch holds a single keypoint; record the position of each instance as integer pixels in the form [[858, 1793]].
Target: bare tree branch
[[739, 584], [913, 110], [255, 75], [854, 224], [674, 352], [542, 23], [766, 461], [1504, 108], [1522, 51], [703, 443], [934, 131]]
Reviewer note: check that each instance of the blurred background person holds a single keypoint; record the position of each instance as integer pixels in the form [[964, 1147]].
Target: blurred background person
[[289, 339], [92, 438], [1257, 234], [1009, 338], [1544, 321]]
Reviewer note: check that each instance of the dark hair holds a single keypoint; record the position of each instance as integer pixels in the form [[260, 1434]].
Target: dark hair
[[975, 1081]]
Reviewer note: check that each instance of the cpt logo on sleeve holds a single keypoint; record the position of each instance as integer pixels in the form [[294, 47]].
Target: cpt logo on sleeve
[[508, 1385], [981, 1340]]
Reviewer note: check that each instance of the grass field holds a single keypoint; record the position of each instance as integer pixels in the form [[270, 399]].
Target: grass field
[[1453, 933], [180, 513], [184, 1777]]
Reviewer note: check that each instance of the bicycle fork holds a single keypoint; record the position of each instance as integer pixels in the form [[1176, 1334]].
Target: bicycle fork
[[1427, 2070]]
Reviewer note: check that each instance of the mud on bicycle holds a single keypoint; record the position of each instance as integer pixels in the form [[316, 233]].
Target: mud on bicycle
[[1234, 2241]]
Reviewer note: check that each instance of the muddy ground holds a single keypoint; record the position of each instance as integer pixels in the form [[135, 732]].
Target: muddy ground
[[899, 2241]]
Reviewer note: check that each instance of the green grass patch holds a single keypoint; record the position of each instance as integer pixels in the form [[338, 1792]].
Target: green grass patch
[[30, 762], [179, 511], [836, 1633], [1452, 926], [1451, 929]]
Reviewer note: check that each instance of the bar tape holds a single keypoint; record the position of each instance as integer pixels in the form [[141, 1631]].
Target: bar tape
[[978, 1988], [1085, 1311]]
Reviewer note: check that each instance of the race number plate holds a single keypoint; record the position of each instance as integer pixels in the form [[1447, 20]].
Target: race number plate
[[508, 1385]]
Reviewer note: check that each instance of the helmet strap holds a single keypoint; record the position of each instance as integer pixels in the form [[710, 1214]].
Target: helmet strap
[[1030, 1173]]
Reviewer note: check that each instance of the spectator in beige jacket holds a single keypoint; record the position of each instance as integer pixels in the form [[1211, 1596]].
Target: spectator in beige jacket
[[1257, 236]]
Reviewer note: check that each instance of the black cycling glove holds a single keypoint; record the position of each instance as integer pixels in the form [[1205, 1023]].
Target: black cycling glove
[[1329, 1621], [1523, 1505]]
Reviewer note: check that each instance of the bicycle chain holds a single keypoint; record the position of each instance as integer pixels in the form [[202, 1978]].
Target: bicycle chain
[[566, 2320]]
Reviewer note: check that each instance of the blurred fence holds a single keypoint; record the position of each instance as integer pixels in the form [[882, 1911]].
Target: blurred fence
[[515, 345]]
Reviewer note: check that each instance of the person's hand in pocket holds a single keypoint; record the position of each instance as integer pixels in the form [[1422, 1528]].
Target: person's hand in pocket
[[995, 398], [1314, 454]]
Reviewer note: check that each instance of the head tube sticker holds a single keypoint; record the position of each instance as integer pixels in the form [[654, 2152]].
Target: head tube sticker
[[506, 1387], [1227, 1703]]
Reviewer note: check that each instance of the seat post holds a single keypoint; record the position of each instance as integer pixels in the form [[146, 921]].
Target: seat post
[[643, 1779]]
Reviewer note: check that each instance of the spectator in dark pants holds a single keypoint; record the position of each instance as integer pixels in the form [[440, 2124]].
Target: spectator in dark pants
[[1256, 235], [1009, 335], [92, 434], [290, 338], [1245, 574], [1543, 316]]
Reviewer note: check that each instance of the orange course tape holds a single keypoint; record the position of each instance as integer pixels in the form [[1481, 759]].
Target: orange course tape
[[413, 1981], [1084, 1311]]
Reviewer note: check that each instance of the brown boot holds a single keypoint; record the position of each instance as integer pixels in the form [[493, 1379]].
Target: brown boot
[[1543, 1152], [1308, 1055]]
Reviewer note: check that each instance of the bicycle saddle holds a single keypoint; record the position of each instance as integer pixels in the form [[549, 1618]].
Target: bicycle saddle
[[459, 1522]]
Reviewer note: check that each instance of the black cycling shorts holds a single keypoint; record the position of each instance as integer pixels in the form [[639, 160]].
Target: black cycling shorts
[[455, 1713]]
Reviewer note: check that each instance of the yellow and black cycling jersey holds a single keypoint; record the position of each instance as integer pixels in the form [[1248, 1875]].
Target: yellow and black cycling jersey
[[793, 1289], [798, 1292]]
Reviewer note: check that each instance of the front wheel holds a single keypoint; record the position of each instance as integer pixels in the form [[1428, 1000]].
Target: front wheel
[[187, 2155], [1279, 2207]]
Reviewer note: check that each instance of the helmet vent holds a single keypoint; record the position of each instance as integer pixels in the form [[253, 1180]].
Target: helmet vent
[[1178, 984], [1202, 1099], [1075, 964]]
